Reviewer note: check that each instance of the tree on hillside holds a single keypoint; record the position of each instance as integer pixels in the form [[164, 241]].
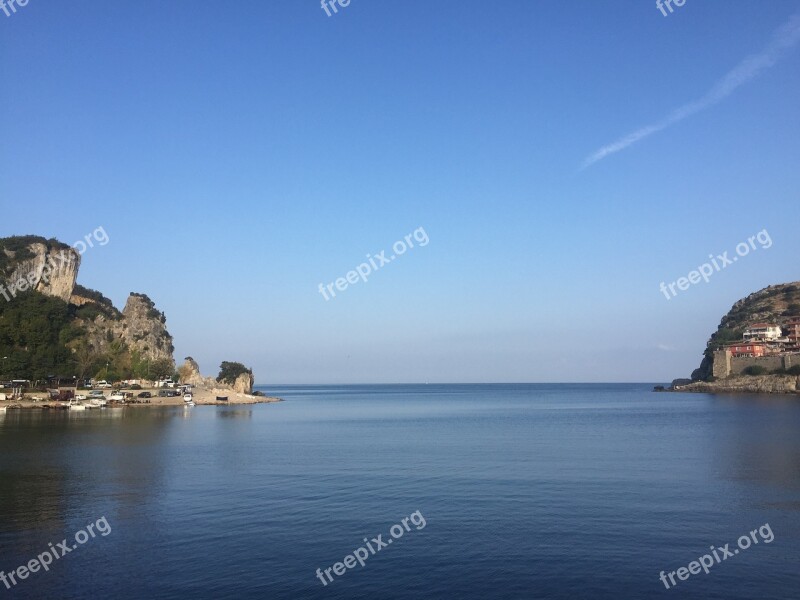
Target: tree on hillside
[[87, 360], [161, 368]]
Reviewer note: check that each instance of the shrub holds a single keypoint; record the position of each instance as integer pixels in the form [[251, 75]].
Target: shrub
[[754, 370]]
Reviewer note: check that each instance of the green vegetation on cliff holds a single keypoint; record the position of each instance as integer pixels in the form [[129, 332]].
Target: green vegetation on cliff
[[17, 248], [34, 332]]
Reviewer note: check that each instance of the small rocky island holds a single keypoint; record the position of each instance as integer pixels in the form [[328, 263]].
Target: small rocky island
[[756, 348]]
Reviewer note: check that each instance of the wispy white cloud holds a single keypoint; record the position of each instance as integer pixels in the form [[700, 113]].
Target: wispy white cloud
[[785, 38]]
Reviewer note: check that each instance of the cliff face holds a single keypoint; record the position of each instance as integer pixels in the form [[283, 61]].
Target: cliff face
[[144, 328], [47, 266], [140, 326], [768, 305]]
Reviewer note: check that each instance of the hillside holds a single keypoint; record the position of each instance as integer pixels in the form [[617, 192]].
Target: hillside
[[768, 305], [52, 326]]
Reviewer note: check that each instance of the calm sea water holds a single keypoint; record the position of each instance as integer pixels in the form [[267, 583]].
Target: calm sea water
[[527, 491]]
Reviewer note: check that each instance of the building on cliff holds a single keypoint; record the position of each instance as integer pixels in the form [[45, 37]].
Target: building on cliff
[[762, 331]]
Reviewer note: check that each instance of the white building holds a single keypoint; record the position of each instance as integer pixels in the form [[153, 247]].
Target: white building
[[762, 331]]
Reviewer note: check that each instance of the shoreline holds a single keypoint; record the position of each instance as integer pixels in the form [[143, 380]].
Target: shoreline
[[201, 397], [782, 385]]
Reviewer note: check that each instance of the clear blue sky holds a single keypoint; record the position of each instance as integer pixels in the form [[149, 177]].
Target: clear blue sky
[[240, 153]]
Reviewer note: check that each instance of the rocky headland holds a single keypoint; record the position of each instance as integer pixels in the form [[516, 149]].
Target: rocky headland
[[738, 360], [53, 327]]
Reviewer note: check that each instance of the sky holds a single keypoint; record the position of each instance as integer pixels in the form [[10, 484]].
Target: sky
[[562, 160]]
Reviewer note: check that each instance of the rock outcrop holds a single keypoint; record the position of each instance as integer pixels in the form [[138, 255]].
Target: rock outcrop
[[190, 374], [244, 383], [139, 326], [34, 263]]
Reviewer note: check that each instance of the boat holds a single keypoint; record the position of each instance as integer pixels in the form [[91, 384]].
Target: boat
[[188, 398], [97, 403], [77, 406]]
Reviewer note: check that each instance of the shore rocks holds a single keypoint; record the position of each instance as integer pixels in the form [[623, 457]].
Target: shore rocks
[[764, 384]]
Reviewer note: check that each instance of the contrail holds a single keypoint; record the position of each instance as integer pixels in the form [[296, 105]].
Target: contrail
[[782, 40]]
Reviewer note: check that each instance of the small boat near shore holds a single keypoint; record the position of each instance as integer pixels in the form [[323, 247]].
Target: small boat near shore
[[77, 406]]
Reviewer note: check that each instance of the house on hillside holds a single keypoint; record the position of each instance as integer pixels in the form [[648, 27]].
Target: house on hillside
[[748, 349], [762, 331]]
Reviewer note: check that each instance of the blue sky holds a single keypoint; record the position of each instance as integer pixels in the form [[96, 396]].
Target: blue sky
[[238, 154]]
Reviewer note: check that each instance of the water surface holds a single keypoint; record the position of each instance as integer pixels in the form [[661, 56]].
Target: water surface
[[527, 491]]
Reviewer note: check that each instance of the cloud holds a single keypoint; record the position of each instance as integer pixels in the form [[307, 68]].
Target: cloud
[[782, 40], [666, 348]]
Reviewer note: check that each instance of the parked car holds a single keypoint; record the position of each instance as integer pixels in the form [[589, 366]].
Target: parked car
[[80, 397], [97, 394], [117, 397], [145, 395], [103, 384]]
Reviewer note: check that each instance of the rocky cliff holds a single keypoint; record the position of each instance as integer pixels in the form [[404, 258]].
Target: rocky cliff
[[140, 326], [35, 263], [95, 333]]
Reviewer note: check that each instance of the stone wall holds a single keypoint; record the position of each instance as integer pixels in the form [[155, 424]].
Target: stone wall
[[726, 365]]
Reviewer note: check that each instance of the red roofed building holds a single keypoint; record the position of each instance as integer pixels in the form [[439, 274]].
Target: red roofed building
[[747, 349]]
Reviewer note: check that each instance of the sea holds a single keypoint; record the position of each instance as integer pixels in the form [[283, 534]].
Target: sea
[[408, 492]]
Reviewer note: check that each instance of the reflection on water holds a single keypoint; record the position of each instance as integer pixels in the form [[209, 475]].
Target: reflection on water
[[235, 414], [757, 440]]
